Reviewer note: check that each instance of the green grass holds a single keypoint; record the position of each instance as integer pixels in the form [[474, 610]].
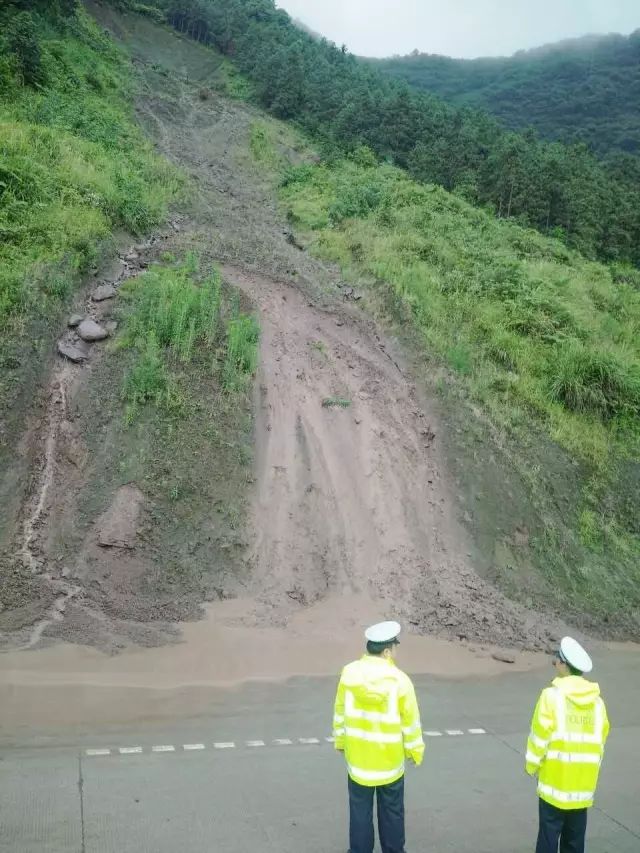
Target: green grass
[[177, 320], [236, 86], [262, 145], [589, 380], [537, 329], [73, 168], [241, 359], [536, 337]]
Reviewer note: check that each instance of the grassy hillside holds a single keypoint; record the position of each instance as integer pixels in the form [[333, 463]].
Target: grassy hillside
[[584, 90], [343, 103], [74, 169], [74, 165], [534, 350]]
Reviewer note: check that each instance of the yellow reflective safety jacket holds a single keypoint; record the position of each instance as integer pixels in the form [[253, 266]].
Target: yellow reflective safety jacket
[[565, 748], [376, 721]]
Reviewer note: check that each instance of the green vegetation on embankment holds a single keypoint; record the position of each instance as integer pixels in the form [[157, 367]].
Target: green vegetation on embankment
[[177, 322], [545, 341], [74, 167]]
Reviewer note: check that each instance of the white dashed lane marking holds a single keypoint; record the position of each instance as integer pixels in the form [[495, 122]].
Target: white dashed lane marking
[[253, 744]]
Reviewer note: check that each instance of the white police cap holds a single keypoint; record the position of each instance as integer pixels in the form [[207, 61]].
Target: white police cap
[[383, 632], [572, 653]]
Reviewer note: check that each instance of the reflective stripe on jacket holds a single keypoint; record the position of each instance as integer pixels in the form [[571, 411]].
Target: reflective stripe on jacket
[[565, 748], [376, 721]]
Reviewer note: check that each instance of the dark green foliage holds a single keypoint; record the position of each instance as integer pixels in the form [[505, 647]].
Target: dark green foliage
[[22, 42], [56, 10], [346, 103], [585, 90]]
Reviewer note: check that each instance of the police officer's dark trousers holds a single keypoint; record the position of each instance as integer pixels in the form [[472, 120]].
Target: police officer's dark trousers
[[390, 817], [564, 827]]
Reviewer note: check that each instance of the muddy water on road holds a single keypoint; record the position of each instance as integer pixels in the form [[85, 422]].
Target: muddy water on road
[[74, 685]]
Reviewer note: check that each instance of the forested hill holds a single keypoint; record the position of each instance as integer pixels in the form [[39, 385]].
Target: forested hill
[[345, 104], [581, 90]]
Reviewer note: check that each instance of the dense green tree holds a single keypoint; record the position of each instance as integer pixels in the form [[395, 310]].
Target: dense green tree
[[22, 42], [583, 90]]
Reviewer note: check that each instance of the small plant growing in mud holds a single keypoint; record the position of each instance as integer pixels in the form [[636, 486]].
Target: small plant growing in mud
[[320, 347], [335, 402]]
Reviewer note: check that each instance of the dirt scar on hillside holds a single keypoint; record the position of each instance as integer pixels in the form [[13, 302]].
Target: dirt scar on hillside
[[352, 500]]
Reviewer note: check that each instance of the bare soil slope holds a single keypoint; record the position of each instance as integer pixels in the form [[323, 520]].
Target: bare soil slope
[[352, 494]]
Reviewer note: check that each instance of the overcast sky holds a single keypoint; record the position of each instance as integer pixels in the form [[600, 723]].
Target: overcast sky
[[462, 28]]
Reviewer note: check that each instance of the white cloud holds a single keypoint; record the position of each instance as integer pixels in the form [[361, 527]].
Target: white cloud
[[463, 28]]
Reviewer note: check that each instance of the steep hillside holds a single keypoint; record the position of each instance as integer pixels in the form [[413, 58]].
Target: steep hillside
[[125, 359], [343, 103], [584, 90], [75, 173], [534, 353]]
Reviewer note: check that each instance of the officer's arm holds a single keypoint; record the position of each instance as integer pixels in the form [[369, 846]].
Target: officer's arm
[[605, 725], [411, 725], [338, 718], [543, 726]]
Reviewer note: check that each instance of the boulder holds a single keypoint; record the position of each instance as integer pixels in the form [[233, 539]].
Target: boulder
[[504, 657], [105, 291], [118, 527], [91, 331], [73, 352]]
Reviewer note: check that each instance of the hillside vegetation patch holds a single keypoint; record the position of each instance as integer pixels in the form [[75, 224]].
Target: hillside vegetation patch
[[74, 166]]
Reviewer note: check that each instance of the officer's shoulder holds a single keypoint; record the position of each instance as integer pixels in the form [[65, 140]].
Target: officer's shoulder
[[549, 692], [350, 667], [403, 678]]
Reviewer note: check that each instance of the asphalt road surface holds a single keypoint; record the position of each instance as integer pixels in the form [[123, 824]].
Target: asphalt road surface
[[257, 773]]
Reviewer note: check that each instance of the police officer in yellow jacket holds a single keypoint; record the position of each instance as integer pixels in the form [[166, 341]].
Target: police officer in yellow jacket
[[565, 748], [376, 725]]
